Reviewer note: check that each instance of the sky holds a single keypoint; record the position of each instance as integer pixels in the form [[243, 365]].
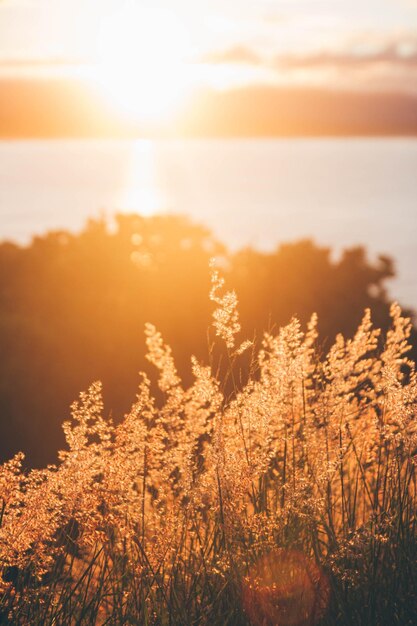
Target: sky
[[168, 49], [356, 42]]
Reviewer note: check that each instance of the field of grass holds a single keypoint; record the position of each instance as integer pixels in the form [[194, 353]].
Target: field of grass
[[285, 496]]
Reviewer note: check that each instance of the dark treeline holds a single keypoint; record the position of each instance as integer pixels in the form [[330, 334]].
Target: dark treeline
[[73, 309], [75, 108]]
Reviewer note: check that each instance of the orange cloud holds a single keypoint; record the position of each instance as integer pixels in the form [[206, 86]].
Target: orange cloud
[[390, 55], [236, 55]]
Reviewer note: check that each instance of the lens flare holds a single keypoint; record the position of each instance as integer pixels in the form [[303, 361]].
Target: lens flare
[[285, 588]]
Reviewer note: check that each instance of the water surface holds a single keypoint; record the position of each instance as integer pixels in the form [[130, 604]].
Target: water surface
[[340, 192]]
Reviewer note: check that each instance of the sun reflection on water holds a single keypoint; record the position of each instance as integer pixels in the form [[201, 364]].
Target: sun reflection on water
[[142, 191]]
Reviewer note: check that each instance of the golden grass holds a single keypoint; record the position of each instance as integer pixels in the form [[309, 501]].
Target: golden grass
[[285, 499]]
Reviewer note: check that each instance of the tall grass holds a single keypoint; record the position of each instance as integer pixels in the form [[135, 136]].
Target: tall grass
[[287, 498]]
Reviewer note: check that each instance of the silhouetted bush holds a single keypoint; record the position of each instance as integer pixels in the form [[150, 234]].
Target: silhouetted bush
[[73, 309]]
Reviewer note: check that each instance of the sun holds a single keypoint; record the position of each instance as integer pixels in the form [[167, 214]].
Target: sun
[[141, 62]]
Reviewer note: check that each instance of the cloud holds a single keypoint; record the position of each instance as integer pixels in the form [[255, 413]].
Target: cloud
[[365, 64], [18, 4], [392, 55], [237, 55], [23, 62], [400, 53]]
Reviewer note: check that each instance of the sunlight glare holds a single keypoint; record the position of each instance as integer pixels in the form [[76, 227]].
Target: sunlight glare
[[142, 193], [141, 62]]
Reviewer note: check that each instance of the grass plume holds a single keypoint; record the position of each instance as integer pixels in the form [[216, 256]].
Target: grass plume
[[288, 498]]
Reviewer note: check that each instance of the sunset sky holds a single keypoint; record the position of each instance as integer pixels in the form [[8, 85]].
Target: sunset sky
[[167, 49]]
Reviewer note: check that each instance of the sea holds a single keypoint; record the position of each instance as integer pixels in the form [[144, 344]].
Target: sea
[[339, 192]]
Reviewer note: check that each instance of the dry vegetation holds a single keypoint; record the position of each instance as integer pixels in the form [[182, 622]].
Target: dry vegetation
[[288, 500]]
